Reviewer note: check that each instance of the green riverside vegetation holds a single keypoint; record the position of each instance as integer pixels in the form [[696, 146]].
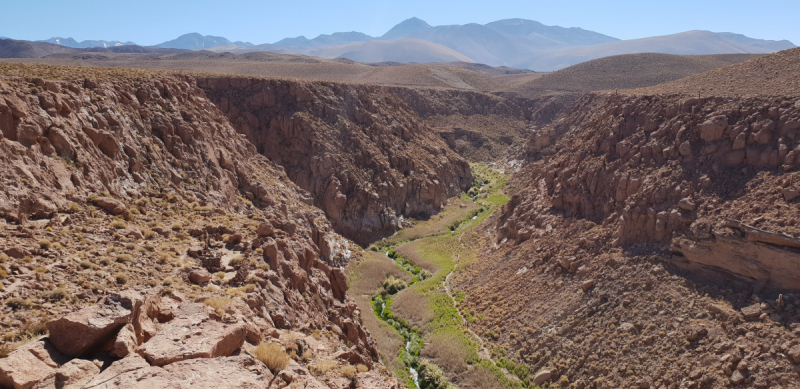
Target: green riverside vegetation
[[443, 248]]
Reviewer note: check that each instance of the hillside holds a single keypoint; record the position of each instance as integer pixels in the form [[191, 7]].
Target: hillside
[[131, 211], [685, 43], [771, 75], [10, 48], [630, 71]]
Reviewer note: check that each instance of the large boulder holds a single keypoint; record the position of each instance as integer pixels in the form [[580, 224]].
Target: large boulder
[[226, 372], [81, 331], [193, 336], [125, 343], [29, 364], [73, 374], [112, 206]]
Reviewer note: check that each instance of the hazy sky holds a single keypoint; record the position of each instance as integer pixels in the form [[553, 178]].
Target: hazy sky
[[149, 22]]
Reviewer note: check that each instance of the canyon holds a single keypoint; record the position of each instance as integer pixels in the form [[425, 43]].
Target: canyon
[[183, 222]]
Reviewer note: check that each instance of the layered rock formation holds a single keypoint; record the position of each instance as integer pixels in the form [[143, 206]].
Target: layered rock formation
[[652, 242], [363, 154], [661, 170], [140, 182]]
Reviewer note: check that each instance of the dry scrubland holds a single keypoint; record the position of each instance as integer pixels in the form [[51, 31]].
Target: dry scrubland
[[630, 71], [649, 236], [617, 72], [773, 75]]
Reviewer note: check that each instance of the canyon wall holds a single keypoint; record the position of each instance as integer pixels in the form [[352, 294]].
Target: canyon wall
[[91, 167], [672, 172], [365, 156]]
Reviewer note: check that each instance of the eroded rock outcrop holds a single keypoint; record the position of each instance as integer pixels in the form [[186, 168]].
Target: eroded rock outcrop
[[659, 170], [131, 164], [366, 157]]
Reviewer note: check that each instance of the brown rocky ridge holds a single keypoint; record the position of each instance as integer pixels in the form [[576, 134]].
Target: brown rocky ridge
[[117, 195], [652, 242]]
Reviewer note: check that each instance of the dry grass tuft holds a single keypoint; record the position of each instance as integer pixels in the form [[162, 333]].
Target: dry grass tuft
[[322, 367], [272, 355], [349, 371], [217, 302]]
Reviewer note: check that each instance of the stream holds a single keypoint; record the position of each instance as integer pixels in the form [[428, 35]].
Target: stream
[[382, 306]]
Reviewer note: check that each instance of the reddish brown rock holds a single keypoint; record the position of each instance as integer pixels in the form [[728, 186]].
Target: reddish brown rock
[[73, 374], [794, 354], [80, 331], [199, 276], [541, 377], [112, 206], [29, 364], [125, 343], [205, 373], [193, 336], [265, 229]]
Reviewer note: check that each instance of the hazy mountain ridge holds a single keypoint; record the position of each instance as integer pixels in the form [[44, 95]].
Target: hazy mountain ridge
[[70, 42], [517, 43]]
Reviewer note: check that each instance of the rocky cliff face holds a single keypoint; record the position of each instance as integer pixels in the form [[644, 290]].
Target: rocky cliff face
[[666, 171], [136, 183], [652, 242], [364, 155]]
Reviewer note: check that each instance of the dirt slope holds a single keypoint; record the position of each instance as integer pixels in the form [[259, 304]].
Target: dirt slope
[[770, 75], [10, 48], [630, 71]]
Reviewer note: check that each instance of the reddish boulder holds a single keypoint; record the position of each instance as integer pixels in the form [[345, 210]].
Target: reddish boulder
[[200, 276], [230, 372], [80, 331], [125, 342], [193, 336], [112, 206], [265, 229], [29, 364], [73, 374]]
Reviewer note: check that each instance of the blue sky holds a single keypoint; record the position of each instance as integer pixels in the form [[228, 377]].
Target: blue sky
[[149, 22]]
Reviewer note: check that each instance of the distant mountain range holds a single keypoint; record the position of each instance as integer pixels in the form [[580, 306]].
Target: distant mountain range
[[195, 41], [69, 42], [517, 43]]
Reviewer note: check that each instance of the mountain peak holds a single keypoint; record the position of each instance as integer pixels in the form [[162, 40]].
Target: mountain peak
[[194, 41], [406, 27]]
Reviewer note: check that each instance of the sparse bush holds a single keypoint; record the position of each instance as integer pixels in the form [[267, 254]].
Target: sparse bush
[[349, 371], [44, 244], [89, 265], [273, 356], [55, 294], [3, 258], [150, 234], [124, 258], [119, 224], [17, 303], [121, 278], [177, 227], [322, 367], [362, 368], [73, 208], [235, 261], [40, 269], [217, 302], [394, 284]]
